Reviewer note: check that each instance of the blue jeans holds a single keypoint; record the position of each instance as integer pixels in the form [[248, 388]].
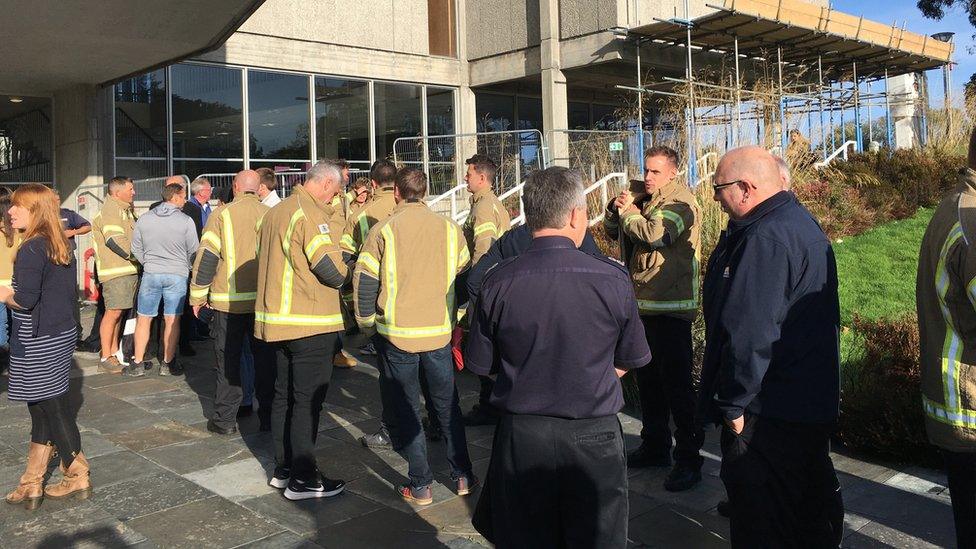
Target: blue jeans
[[401, 373], [156, 287], [4, 326]]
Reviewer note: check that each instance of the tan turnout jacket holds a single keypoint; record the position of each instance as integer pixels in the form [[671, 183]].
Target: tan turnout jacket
[[487, 222], [946, 301], [404, 278], [112, 240], [225, 272], [300, 270]]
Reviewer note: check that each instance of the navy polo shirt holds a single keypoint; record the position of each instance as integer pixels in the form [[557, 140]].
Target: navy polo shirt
[[553, 323]]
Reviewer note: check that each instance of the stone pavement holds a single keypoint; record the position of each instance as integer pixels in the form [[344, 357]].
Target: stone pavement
[[162, 480]]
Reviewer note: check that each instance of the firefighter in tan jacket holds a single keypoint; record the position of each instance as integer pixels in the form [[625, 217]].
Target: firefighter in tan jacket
[[297, 308], [659, 234], [225, 279], [488, 219], [404, 289], [946, 301], [117, 270]]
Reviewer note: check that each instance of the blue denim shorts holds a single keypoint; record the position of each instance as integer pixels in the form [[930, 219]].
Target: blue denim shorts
[[168, 288]]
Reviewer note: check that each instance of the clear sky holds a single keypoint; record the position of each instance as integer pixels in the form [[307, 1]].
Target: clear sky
[[906, 11]]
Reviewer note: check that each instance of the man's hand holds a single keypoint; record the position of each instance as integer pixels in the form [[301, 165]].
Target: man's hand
[[5, 293], [737, 424], [196, 310], [623, 201]]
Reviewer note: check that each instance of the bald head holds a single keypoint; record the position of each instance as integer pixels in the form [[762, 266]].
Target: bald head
[[175, 180], [246, 181], [755, 176]]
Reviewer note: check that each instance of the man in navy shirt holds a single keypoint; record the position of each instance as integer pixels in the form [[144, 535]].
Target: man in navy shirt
[[558, 327], [771, 367]]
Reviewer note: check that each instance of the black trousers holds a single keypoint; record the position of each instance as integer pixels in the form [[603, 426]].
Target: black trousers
[[961, 472], [667, 391], [783, 491], [555, 482], [52, 421], [304, 372], [229, 332]]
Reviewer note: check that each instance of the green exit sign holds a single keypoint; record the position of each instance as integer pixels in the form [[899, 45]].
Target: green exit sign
[[616, 145]]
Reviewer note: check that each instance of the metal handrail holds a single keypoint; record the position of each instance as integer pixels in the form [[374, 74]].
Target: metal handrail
[[841, 151], [604, 197]]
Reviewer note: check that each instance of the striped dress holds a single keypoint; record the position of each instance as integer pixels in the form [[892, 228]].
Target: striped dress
[[38, 365]]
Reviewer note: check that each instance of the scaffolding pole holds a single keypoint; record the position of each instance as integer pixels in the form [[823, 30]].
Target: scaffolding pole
[[857, 111], [738, 94], [870, 120], [823, 135], [888, 129], [692, 161]]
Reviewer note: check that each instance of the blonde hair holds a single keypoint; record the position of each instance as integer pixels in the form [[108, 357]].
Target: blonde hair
[[45, 209]]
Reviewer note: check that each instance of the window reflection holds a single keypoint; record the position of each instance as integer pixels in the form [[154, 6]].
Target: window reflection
[[278, 115], [342, 119], [398, 114], [496, 113], [207, 112], [25, 139], [140, 116]]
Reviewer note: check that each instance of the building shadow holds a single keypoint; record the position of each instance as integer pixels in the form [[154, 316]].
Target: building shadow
[[103, 536]]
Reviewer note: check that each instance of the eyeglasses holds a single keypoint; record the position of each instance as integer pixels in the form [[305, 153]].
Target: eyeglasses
[[716, 187]]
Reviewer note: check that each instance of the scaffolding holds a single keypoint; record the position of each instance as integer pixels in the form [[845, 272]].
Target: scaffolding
[[801, 80]]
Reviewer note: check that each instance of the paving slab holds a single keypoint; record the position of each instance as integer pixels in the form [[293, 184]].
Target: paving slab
[[307, 516], [879, 535], [399, 530], [147, 494], [83, 525], [141, 386], [119, 467], [281, 540], [198, 454], [676, 526], [212, 522], [154, 436], [237, 481]]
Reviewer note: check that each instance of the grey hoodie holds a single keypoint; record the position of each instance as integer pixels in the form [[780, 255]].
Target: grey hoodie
[[165, 241]]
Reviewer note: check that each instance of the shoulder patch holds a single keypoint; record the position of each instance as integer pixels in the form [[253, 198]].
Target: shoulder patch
[[324, 228]]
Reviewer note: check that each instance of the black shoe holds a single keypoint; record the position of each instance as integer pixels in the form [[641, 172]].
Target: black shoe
[[380, 439], [279, 479], [644, 457], [433, 432], [171, 368], [186, 350], [214, 428], [481, 415], [682, 478], [138, 369], [245, 410], [321, 487], [723, 508], [264, 422]]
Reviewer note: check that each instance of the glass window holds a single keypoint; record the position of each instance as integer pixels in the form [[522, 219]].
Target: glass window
[[25, 139], [605, 117], [440, 111], [496, 113], [441, 28], [579, 116], [140, 169], [278, 115], [207, 112], [140, 116], [280, 166], [440, 121], [196, 168], [398, 114], [342, 119], [529, 113]]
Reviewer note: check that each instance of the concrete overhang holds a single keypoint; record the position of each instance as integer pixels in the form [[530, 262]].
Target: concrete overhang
[[52, 44]]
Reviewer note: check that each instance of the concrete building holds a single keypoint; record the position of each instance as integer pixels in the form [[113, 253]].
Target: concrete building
[[147, 89]]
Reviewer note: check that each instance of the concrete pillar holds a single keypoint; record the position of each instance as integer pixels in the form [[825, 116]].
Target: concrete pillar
[[467, 118], [79, 134], [906, 114], [555, 104]]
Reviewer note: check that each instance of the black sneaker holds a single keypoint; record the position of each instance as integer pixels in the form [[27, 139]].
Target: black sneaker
[[682, 478], [137, 369], [279, 479], [380, 439], [645, 457], [171, 368], [321, 487]]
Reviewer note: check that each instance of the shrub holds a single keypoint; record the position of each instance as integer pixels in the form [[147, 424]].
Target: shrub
[[881, 404]]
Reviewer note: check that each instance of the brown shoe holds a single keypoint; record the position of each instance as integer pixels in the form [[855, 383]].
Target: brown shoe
[[420, 496], [30, 491], [466, 484], [342, 360], [110, 365], [75, 481]]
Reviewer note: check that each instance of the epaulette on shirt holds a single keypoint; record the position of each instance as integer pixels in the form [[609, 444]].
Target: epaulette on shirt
[[612, 261]]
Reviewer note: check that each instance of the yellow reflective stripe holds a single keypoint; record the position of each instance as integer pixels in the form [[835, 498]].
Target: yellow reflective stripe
[[958, 418], [112, 229], [212, 239], [389, 272], [631, 217], [971, 291], [363, 223], [367, 260], [298, 320], [347, 243], [452, 268], [366, 321], [952, 346], [484, 228], [288, 276], [128, 269], [464, 255], [316, 243], [199, 292], [6, 281], [230, 251], [228, 297], [674, 218], [428, 331]]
